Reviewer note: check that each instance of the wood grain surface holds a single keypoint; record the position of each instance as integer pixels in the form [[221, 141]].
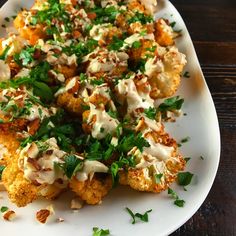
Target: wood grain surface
[[212, 25]]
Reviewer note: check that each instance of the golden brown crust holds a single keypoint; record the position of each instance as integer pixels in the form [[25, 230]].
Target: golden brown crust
[[92, 191]]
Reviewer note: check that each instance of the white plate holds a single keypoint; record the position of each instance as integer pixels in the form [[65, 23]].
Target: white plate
[[200, 124]]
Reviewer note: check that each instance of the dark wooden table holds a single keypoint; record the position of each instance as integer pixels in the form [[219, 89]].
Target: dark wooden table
[[212, 25]]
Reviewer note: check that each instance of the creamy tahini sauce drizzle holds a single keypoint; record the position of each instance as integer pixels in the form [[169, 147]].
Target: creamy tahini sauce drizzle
[[134, 99], [104, 124], [89, 168], [99, 30], [158, 150], [5, 72], [153, 66]]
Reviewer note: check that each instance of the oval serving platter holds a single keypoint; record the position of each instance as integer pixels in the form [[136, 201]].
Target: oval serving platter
[[200, 124]]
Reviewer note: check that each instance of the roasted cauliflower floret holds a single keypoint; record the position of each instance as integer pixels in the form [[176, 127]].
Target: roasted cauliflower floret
[[164, 33], [32, 34], [92, 182], [26, 177], [165, 72], [157, 165], [144, 179], [92, 191], [107, 64], [20, 190], [71, 103]]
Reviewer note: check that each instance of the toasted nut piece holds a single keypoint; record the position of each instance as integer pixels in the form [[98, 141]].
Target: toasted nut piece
[[9, 215], [42, 215], [60, 219], [76, 204]]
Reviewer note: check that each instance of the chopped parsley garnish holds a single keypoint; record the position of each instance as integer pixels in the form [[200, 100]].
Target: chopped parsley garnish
[[7, 19], [185, 140], [140, 17], [186, 74], [1, 170], [142, 217], [80, 49], [201, 157], [65, 133], [187, 159], [170, 104], [137, 65], [4, 209], [150, 113], [158, 178], [100, 232], [116, 44], [71, 165], [57, 11], [99, 81], [25, 56], [178, 202], [184, 178], [172, 24], [105, 15], [14, 109], [38, 78], [122, 163], [132, 140], [152, 49], [3, 56], [136, 44], [113, 114]]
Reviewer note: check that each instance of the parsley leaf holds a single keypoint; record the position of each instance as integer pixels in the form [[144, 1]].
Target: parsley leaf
[[116, 44], [178, 202], [132, 140], [4, 209], [184, 178], [136, 44], [43, 91], [142, 217], [4, 54], [121, 163], [97, 81], [201, 157], [150, 113], [187, 159], [112, 114], [1, 170], [186, 74], [71, 165], [105, 15], [158, 178], [185, 140], [100, 232], [144, 19], [172, 24], [25, 56], [170, 104]]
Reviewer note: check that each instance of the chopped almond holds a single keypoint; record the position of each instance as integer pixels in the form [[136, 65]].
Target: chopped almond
[[76, 204], [9, 215], [42, 215]]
